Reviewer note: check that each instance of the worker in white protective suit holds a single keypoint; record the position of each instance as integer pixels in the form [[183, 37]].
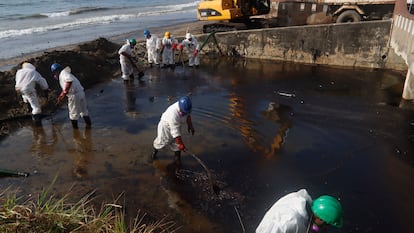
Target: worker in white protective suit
[[26, 80], [297, 213], [153, 48], [168, 46], [169, 128], [192, 46], [72, 88], [127, 62]]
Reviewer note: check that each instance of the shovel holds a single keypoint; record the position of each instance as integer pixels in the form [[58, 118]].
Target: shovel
[[213, 184]]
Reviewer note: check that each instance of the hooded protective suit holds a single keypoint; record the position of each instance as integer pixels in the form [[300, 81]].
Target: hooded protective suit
[[153, 48], [169, 44], [127, 68], [288, 215], [76, 96], [169, 128], [26, 79], [193, 47]]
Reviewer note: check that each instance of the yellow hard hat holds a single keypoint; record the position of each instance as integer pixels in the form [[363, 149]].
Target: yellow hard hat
[[167, 34]]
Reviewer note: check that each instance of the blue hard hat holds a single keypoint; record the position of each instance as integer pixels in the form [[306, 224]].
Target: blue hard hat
[[185, 104], [146, 32], [55, 67]]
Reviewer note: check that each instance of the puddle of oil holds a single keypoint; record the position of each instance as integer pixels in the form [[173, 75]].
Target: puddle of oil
[[331, 131]]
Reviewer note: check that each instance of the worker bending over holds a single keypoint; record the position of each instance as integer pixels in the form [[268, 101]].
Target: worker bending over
[[127, 62], [169, 128], [297, 213], [191, 43], [26, 80], [72, 88]]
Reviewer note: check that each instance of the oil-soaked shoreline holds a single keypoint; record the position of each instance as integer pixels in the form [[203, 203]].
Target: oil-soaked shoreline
[[337, 132]]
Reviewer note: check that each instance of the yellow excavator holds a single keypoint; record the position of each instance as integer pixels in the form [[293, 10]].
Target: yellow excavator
[[232, 15], [236, 13]]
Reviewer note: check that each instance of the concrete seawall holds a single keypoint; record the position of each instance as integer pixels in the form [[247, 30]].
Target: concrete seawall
[[363, 44]]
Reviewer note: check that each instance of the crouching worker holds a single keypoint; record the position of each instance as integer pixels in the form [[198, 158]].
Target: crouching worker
[[72, 88], [169, 128], [26, 80], [297, 213]]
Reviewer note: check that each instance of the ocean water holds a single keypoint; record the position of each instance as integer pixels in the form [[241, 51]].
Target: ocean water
[[28, 26]]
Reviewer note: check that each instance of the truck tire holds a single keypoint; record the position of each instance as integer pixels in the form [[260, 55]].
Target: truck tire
[[349, 16]]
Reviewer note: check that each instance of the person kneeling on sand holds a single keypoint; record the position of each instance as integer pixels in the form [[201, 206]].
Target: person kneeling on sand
[[169, 128], [26, 79], [297, 213], [72, 88]]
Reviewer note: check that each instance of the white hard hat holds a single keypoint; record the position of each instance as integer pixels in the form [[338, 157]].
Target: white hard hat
[[188, 35]]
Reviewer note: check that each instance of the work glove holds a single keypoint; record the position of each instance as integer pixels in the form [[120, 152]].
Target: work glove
[[180, 47], [180, 143], [61, 96], [174, 46], [195, 52], [190, 127]]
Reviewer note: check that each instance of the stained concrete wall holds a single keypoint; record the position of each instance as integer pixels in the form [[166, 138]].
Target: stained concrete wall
[[363, 44]]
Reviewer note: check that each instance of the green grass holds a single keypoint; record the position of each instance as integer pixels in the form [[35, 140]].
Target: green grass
[[47, 213]]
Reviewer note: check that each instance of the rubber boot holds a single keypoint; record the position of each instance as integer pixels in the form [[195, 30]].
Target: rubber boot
[[88, 122], [141, 74], [37, 119], [177, 159], [153, 155], [74, 124]]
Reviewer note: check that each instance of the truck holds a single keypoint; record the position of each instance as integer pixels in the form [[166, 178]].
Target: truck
[[228, 15]]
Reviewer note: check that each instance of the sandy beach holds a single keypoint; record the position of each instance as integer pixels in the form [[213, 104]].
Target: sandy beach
[[92, 62]]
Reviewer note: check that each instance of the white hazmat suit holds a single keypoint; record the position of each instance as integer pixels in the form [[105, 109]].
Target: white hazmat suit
[[26, 79], [192, 46], [168, 44], [153, 48], [288, 215], [169, 127], [76, 96], [127, 68]]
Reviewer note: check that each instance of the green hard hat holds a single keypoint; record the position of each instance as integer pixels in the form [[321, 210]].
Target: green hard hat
[[132, 41], [328, 209]]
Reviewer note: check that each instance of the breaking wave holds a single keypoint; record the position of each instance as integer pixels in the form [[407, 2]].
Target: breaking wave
[[119, 14]]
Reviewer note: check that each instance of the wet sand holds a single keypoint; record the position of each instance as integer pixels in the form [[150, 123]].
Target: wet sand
[[332, 131], [92, 62], [342, 133]]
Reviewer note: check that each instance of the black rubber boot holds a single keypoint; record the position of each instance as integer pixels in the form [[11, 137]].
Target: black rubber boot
[[141, 74], [37, 119], [153, 155], [74, 124], [177, 158], [88, 122]]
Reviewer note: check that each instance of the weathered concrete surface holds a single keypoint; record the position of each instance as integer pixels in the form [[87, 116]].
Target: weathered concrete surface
[[364, 44], [402, 41]]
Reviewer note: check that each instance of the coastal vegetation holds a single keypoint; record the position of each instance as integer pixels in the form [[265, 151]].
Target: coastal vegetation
[[47, 212]]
